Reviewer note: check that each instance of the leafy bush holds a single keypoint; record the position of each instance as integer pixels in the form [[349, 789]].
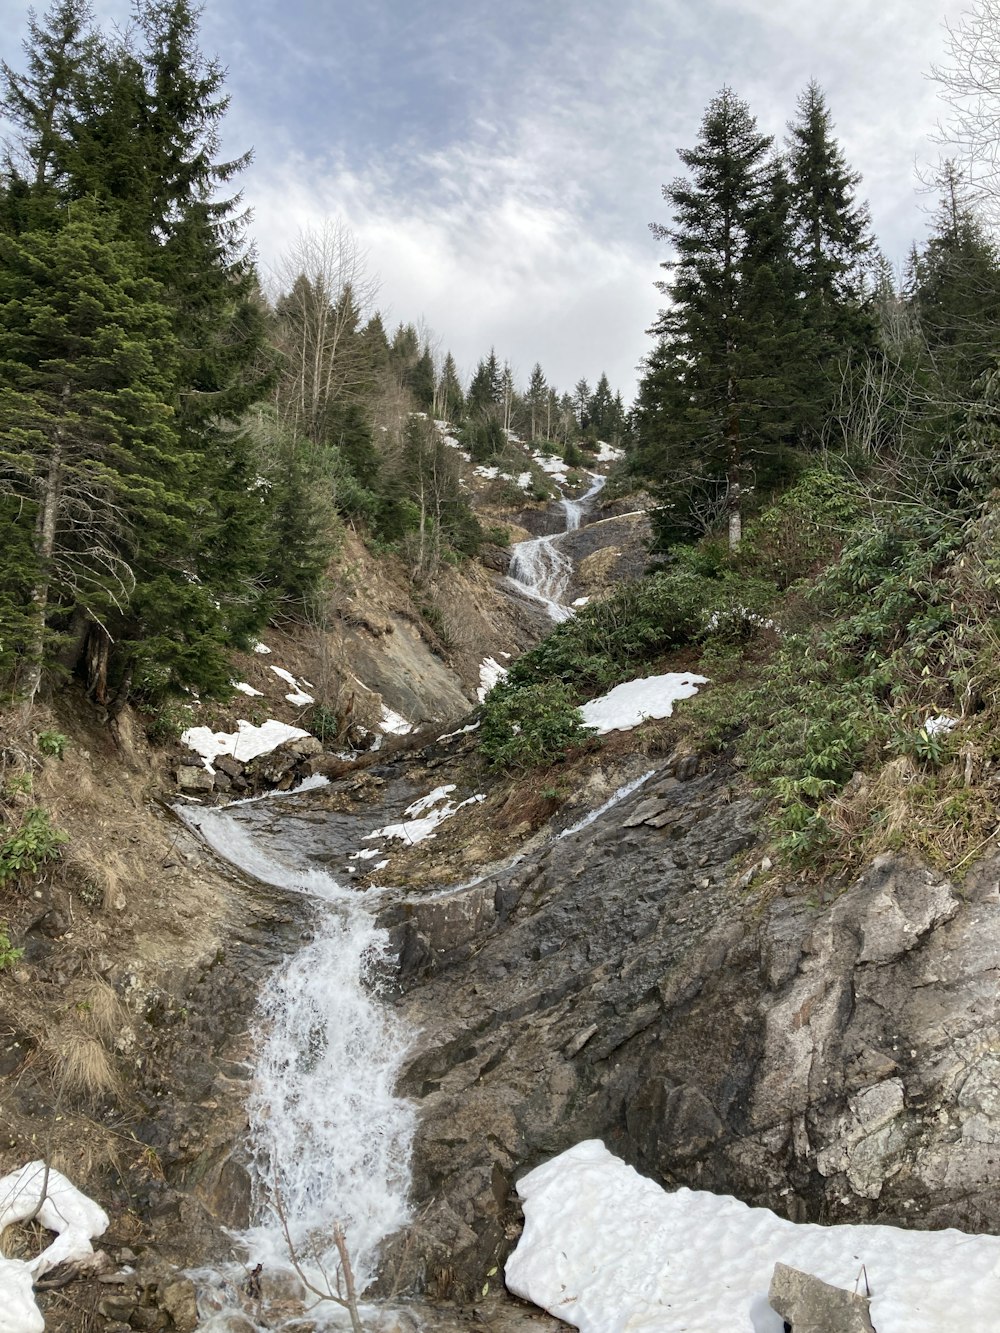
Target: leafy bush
[[52, 744], [30, 846], [8, 954], [530, 725]]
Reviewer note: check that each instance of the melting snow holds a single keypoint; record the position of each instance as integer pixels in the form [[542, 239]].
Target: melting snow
[[607, 453], [462, 731], [65, 1210], [245, 743], [636, 701], [393, 723], [244, 688], [940, 725], [608, 1251], [525, 481], [490, 674], [261, 648], [298, 697], [555, 467], [422, 825]]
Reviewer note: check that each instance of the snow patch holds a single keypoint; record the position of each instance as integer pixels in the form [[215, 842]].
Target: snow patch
[[298, 697], [940, 725], [462, 731], [637, 701], [245, 743], [607, 453], [392, 722], [65, 1210], [244, 688], [422, 825], [609, 1251], [490, 674], [261, 648]]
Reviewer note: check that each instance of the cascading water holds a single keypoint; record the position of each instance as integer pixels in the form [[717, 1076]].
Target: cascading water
[[540, 569], [329, 1140]]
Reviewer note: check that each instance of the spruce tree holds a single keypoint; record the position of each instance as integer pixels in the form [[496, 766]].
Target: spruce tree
[[834, 249], [715, 337], [953, 286], [90, 445], [449, 397], [536, 401]]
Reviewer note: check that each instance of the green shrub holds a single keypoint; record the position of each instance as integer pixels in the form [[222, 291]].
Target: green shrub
[[52, 744], [531, 725], [8, 954], [30, 846]]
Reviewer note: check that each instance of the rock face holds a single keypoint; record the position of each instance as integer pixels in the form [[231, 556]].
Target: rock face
[[834, 1064]]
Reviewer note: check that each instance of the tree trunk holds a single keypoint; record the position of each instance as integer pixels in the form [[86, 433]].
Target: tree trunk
[[45, 544]]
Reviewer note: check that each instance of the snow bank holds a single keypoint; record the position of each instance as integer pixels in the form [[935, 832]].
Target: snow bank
[[245, 743], [64, 1210], [636, 701], [490, 674], [608, 1251]]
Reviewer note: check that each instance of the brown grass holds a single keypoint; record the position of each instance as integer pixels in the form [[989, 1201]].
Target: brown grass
[[82, 1069], [98, 877]]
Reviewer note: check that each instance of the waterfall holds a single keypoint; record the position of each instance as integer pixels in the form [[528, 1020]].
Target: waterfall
[[326, 1131], [540, 569]]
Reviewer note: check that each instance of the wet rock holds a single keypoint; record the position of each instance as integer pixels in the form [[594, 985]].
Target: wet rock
[[195, 779], [495, 557], [180, 1301], [812, 1306]]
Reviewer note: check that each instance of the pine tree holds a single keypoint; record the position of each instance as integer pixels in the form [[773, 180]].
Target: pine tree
[[953, 286], [449, 398], [90, 443], [536, 399], [41, 103], [709, 359]]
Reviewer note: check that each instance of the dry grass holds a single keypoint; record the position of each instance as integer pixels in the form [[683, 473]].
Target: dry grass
[[103, 1012], [82, 1069], [98, 877], [945, 813]]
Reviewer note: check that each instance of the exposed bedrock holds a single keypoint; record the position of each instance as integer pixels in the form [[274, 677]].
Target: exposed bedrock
[[835, 1064]]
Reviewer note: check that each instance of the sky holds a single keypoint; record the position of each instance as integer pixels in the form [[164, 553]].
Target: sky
[[498, 163]]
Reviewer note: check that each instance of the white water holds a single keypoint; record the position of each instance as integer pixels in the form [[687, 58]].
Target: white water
[[540, 569], [326, 1130]]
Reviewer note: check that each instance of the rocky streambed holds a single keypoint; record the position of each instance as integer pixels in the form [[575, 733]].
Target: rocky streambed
[[635, 981]]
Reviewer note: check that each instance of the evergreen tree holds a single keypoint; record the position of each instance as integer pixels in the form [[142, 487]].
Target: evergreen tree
[[536, 400], [90, 444], [41, 103], [581, 404], [715, 337], [449, 397], [834, 247], [953, 286], [420, 381], [485, 389]]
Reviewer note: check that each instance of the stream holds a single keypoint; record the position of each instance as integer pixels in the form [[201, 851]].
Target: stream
[[329, 1141], [540, 569]]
